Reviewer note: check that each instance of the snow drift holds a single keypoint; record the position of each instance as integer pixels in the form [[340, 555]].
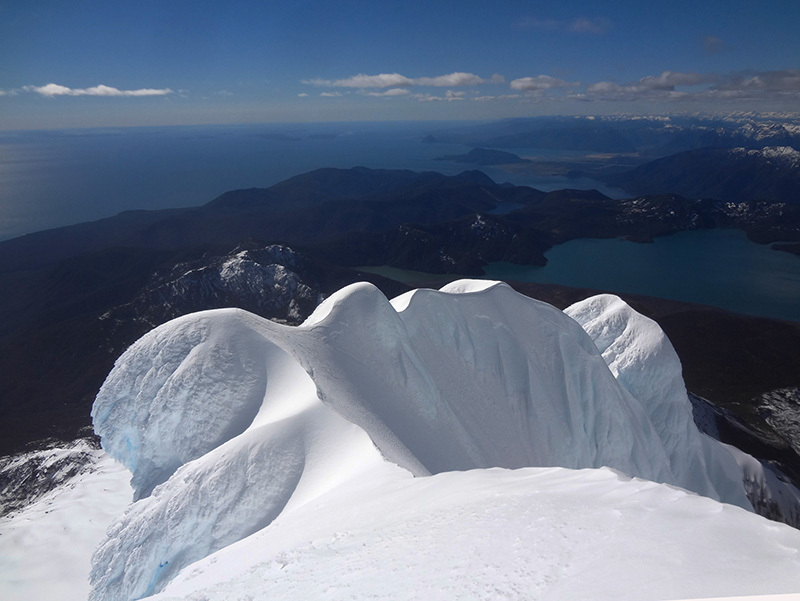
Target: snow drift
[[232, 425]]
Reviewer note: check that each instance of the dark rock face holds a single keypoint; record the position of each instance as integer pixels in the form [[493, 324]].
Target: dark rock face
[[262, 280], [781, 410], [772, 487], [30, 475]]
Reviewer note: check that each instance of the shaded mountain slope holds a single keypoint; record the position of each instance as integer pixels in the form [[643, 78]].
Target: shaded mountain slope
[[286, 212], [732, 175]]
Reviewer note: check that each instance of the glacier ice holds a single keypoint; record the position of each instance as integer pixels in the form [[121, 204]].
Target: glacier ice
[[230, 422]]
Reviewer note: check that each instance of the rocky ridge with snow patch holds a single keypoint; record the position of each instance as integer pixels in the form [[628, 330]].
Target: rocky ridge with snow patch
[[270, 280], [26, 477]]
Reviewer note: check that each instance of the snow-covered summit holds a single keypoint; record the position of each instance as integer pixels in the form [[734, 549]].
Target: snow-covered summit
[[785, 156], [232, 424]]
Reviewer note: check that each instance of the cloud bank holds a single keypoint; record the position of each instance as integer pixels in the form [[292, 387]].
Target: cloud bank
[[396, 80], [539, 83], [668, 86], [53, 89], [387, 93], [449, 96], [757, 84], [663, 85]]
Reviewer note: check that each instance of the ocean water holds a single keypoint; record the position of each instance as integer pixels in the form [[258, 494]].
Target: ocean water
[[55, 178]]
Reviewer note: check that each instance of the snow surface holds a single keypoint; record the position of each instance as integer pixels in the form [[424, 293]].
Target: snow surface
[[45, 548], [644, 361], [786, 156], [534, 533], [278, 462]]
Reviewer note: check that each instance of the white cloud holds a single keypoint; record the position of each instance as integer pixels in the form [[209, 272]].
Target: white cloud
[[607, 90], [501, 97], [725, 94], [669, 79], [457, 79], [449, 96], [382, 80], [53, 89], [667, 86], [396, 80], [539, 83], [774, 85], [331, 94], [389, 92], [302, 95], [604, 87], [765, 85], [785, 81], [662, 86]]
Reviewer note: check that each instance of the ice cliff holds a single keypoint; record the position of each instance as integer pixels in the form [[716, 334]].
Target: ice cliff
[[230, 423]]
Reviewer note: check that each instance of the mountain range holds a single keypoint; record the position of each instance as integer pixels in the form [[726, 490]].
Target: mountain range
[[653, 136], [101, 285], [736, 175], [276, 440], [735, 158]]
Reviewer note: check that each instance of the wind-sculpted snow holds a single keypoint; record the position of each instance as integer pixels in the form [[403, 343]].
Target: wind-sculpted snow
[[643, 360], [292, 447], [180, 392], [238, 422]]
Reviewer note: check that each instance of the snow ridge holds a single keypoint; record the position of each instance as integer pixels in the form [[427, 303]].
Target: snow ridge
[[786, 156], [645, 363], [230, 423]]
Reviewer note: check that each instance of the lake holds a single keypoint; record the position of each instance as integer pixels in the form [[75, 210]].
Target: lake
[[717, 267]]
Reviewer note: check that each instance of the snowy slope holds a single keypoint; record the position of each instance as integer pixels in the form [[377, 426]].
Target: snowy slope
[[235, 427], [45, 548], [534, 533]]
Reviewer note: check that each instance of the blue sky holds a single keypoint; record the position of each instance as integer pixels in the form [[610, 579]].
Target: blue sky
[[87, 63]]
